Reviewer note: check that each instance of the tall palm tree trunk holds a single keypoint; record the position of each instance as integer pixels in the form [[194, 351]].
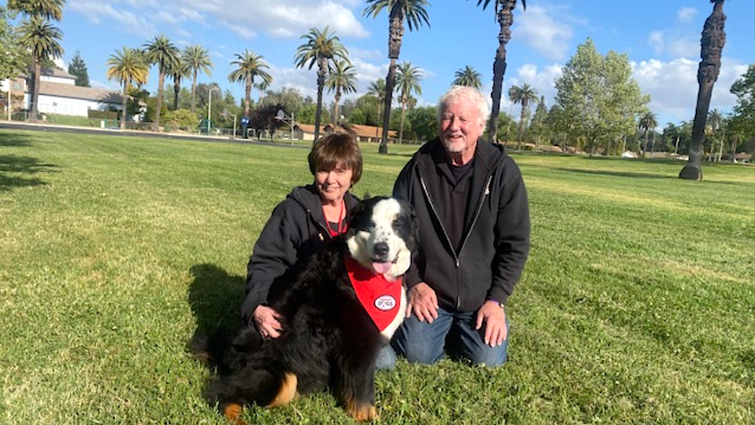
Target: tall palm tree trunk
[[123, 105], [401, 128], [35, 89], [505, 19], [712, 43], [387, 107], [335, 109], [176, 89], [321, 70], [159, 103], [248, 96], [193, 91], [520, 130]]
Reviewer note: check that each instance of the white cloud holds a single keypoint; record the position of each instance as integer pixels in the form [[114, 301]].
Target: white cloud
[[673, 86], [686, 14], [543, 33], [686, 46]]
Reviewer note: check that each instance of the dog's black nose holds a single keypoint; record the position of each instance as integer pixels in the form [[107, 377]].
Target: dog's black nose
[[381, 249]]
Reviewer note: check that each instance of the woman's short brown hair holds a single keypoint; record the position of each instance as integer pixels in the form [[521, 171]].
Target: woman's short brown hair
[[336, 149]]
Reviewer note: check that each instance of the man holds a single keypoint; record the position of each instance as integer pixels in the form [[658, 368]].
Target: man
[[473, 213]]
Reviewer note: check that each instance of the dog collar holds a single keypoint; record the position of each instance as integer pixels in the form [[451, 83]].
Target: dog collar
[[379, 297]]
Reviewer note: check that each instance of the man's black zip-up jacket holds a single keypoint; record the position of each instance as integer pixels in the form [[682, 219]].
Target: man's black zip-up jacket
[[488, 260], [295, 230]]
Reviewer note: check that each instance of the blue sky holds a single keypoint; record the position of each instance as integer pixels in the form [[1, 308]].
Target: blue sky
[[660, 37]]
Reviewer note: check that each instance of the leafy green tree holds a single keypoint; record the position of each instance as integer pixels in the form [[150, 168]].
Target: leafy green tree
[[743, 115], [424, 121], [198, 60], [12, 62], [414, 12], [319, 48], [468, 76], [128, 67], [408, 79], [78, 68], [538, 128], [599, 97], [504, 10], [712, 44], [163, 53], [716, 129], [342, 78], [248, 66], [522, 95], [42, 39]]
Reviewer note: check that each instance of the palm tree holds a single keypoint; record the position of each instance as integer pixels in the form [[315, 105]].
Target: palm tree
[[342, 77], [408, 78], [468, 77], [647, 123], [414, 13], [161, 52], [127, 66], [522, 95], [715, 124], [198, 60], [39, 37], [46, 9], [504, 10], [712, 44], [320, 48], [377, 89], [249, 66], [179, 70], [42, 40], [261, 87]]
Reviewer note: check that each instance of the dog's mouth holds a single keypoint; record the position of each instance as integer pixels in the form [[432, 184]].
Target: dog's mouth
[[382, 267]]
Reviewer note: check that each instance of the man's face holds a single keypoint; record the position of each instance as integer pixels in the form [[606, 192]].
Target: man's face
[[460, 127]]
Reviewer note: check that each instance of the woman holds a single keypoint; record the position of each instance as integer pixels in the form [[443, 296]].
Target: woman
[[300, 225]]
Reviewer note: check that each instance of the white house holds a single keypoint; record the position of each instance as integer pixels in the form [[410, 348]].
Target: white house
[[58, 94]]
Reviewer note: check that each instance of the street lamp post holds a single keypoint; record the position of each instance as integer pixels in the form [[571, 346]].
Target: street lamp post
[[209, 109]]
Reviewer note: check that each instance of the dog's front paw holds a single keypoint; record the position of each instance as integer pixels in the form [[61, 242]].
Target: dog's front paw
[[361, 412]]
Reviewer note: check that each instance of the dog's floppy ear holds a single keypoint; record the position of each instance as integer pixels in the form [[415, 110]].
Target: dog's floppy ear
[[366, 196]]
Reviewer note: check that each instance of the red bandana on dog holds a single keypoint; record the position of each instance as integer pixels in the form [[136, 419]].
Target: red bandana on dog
[[379, 297]]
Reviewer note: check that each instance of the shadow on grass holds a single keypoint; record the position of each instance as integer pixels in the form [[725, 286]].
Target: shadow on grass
[[215, 298], [15, 140], [21, 165]]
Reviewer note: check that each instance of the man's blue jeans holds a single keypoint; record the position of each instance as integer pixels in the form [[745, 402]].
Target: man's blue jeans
[[423, 342]]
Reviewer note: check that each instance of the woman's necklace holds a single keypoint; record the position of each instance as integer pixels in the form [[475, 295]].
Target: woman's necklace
[[339, 220]]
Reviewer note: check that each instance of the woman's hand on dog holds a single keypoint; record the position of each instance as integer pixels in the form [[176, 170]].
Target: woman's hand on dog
[[423, 303], [267, 321]]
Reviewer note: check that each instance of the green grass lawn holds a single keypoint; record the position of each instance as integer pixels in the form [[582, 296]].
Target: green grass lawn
[[637, 304]]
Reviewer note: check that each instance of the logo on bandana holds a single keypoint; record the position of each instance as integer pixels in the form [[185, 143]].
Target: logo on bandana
[[385, 303]]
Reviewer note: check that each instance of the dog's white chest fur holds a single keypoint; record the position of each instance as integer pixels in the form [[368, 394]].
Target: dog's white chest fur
[[400, 315]]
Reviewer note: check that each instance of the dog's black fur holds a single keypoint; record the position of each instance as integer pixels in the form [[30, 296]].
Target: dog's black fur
[[328, 339]]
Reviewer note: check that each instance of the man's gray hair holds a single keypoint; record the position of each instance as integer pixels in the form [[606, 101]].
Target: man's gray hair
[[469, 94]]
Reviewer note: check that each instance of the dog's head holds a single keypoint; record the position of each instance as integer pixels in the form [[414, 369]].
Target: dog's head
[[382, 236]]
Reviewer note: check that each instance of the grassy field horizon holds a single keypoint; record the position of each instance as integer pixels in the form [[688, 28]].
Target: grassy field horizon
[[637, 304]]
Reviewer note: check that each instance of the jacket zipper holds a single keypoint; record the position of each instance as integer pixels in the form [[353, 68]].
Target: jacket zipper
[[448, 240]]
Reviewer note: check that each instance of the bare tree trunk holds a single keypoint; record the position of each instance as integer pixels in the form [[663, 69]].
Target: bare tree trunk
[[712, 43], [505, 19], [321, 69], [395, 36]]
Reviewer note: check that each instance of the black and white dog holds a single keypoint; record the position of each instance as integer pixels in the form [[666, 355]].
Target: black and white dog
[[338, 313]]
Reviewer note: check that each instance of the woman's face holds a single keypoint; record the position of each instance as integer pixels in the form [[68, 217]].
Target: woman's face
[[333, 184]]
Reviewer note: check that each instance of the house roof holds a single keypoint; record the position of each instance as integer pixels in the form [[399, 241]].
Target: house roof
[[75, 92], [308, 128], [55, 72], [368, 130]]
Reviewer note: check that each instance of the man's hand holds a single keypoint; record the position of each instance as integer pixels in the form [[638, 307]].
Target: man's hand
[[494, 318], [267, 321], [423, 303]]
